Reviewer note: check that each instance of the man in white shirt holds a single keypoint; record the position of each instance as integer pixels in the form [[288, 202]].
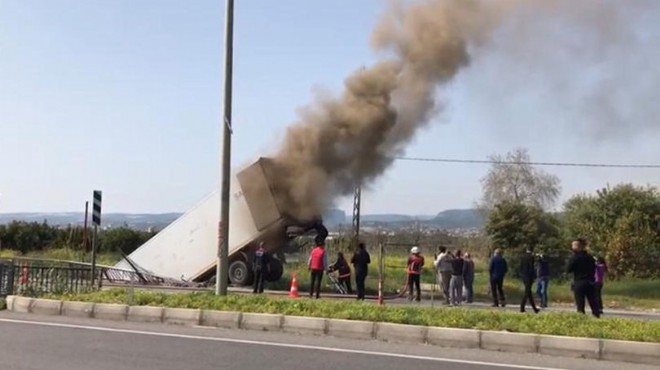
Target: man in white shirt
[[444, 270]]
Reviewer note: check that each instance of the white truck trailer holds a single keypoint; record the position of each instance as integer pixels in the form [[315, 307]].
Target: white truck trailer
[[187, 249]]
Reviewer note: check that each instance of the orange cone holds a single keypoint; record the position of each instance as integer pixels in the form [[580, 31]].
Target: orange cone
[[293, 293]]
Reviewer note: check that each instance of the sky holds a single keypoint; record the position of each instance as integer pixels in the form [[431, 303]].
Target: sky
[[126, 96]]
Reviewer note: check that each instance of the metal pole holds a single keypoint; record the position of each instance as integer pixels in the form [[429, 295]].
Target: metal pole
[[222, 270], [380, 274], [94, 240], [84, 246]]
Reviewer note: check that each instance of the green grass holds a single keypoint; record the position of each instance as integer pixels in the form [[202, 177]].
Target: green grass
[[565, 324], [639, 294]]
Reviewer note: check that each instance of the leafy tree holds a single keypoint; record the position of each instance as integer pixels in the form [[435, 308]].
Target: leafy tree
[[622, 224], [513, 226], [513, 179], [125, 239]]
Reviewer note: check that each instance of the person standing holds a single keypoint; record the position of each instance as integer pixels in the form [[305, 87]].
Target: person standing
[[444, 269], [318, 264], [361, 261], [458, 269], [583, 267], [599, 279], [543, 279], [497, 270], [415, 264], [260, 267], [468, 278], [528, 275], [344, 271]]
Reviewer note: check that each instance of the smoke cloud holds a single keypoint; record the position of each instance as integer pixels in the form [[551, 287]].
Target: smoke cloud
[[341, 141]]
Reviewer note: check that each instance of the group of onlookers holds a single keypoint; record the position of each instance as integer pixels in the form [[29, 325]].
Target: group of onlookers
[[455, 272], [588, 276]]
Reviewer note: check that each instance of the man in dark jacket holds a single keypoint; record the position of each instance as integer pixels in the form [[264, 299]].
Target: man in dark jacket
[[543, 268], [583, 267], [361, 261], [497, 269], [260, 267], [528, 275]]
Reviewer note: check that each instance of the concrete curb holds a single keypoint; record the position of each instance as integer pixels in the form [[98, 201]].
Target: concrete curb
[[78, 309], [182, 316], [454, 338], [351, 329], [10, 302], [219, 319], [46, 307], [575, 347], [264, 322], [611, 350], [618, 350], [305, 325], [145, 314], [397, 333], [22, 304], [509, 342], [109, 311]]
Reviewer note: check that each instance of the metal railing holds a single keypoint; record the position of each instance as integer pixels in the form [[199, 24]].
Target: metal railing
[[35, 277]]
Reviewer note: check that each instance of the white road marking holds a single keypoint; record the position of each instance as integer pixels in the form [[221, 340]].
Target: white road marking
[[273, 344]]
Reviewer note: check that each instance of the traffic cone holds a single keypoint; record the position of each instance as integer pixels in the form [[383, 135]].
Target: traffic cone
[[293, 293]]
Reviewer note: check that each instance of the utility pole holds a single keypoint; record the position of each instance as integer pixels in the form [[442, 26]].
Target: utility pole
[[222, 270], [357, 196]]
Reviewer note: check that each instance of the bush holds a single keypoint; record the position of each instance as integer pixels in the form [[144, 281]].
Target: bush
[[566, 324]]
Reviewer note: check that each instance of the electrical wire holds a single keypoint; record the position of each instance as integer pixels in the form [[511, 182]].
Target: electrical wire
[[554, 164]]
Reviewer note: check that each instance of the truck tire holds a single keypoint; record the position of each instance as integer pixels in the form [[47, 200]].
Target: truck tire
[[239, 273], [276, 271]]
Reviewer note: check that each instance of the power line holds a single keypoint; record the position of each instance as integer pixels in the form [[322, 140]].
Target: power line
[[554, 164]]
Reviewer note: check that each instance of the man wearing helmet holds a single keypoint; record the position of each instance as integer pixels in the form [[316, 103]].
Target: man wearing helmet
[[415, 264]]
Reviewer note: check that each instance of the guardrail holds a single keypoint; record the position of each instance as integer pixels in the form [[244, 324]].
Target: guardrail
[[34, 277]]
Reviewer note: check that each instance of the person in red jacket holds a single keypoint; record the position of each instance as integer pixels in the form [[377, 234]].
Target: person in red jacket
[[415, 264], [318, 264]]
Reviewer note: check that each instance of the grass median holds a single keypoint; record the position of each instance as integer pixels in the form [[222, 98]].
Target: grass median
[[551, 323]]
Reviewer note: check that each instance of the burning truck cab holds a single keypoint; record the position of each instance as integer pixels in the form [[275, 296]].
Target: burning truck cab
[[187, 249]]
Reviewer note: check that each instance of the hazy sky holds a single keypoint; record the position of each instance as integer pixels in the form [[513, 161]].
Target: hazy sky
[[125, 96]]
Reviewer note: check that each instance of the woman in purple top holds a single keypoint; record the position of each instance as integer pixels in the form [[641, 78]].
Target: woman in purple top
[[601, 270]]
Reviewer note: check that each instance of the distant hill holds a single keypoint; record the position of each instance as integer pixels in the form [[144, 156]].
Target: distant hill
[[136, 221], [458, 219], [450, 219]]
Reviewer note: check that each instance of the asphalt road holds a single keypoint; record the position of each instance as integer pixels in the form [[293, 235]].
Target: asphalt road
[[30, 342]]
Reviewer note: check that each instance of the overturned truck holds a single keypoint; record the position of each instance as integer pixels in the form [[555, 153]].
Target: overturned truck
[[187, 249]]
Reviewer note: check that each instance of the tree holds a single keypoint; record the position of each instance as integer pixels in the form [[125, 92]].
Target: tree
[[622, 224], [512, 226], [513, 179], [123, 239]]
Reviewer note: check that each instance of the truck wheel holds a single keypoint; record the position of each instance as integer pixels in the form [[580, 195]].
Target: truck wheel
[[239, 273], [276, 270]]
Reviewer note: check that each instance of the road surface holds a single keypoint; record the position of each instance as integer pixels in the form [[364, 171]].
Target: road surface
[[30, 342]]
